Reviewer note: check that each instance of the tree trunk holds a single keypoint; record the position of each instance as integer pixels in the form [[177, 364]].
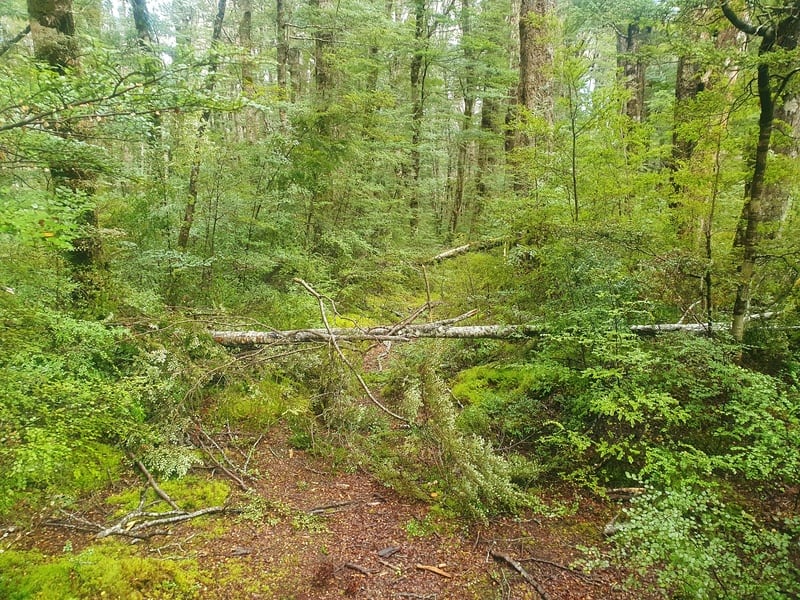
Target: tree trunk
[[205, 116], [786, 138], [417, 79], [282, 43], [632, 71], [143, 23], [782, 32], [383, 333], [53, 31], [750, 221], [323, 40], [489, 148], [468, 86], [536, 58], [246, 42]]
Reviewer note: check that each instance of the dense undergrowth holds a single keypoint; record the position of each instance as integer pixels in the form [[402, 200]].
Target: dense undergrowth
[[710, 432]]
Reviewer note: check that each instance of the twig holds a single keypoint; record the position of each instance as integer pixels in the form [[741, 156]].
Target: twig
[[412, 317], [161, 493], [335, 344], [77, 527], [577, 574], [519, 569], [250, 453], [395, 568], [321, 509], [433, 569], [427, 292], [239, 481], [359, 568]]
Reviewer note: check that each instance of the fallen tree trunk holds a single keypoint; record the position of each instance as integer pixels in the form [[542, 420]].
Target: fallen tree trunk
[[382, 333], [404, 332], [471, 247]]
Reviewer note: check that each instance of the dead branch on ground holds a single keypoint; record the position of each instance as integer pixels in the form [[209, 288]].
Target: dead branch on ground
[[231, 470], [499, 556], [318, 510], [129, 526], [358, 568], [570, 570], [341, 355], [433, 569], [458, 251], [139, 523]]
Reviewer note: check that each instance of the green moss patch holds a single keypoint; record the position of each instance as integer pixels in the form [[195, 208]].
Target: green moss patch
[[110, 570]]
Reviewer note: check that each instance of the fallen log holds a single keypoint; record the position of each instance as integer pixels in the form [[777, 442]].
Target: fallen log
[[382, 333], [404, 332], [458, 251]]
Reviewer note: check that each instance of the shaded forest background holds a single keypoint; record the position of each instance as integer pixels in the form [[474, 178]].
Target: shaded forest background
[[176, 167]]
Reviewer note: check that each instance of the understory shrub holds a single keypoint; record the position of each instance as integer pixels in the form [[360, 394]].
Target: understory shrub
[[700, 546]]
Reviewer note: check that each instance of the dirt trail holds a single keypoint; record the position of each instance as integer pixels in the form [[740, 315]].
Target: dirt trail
[[337, 552], [327, 534]]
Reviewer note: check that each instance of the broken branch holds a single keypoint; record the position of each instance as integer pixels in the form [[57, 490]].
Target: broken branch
[[161, 493], [542, 561], [453, 252], [343, 358], [499, 556], [433, 569], [358, 568]]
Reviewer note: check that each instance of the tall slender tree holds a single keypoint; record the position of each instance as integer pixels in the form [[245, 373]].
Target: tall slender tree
[[778, 28], [52, 27], [205, 117]]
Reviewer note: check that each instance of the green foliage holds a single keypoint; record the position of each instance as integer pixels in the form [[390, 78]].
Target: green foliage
[[509, 403], [65, 400], [438, 461], [110, 570], [259, 405], [302, 521], [702, 547]]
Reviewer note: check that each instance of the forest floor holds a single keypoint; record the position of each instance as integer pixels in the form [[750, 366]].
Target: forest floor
[[324, 534]]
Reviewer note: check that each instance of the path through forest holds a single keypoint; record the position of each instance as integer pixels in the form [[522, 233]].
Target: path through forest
[[327, 534]]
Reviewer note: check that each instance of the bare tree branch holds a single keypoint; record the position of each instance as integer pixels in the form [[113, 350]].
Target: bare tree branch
[[7, 46]]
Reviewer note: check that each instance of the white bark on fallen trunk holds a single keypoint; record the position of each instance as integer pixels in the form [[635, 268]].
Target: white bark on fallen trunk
[[439, 329], [383, 333]]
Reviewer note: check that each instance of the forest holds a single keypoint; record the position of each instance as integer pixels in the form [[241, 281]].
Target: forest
[[423, 299]]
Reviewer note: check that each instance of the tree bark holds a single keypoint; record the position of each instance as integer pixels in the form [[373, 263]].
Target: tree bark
[[632, 70], [6, 46], [53, 31], [205, 116], [382, 333], [784, 31], [536, 58], [246, 42], [417, 79], [489, 147], [282, 45], [52, 28], [468, 86], [143, 23]]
